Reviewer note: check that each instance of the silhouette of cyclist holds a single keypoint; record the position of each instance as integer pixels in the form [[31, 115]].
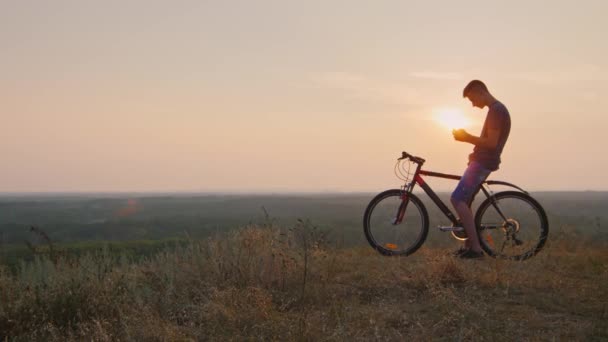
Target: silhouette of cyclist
[[484, 159]]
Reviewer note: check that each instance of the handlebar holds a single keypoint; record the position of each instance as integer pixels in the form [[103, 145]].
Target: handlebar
[[417, 160]]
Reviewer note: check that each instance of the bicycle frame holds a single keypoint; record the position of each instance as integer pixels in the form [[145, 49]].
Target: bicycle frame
[[417, 179]]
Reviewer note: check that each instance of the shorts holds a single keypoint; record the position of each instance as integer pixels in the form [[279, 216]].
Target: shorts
[[469, 184]]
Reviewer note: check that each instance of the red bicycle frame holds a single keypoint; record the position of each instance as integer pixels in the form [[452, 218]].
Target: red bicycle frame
[[417, 179]]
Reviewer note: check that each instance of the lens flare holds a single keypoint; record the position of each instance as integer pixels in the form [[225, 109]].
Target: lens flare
[[451, 118]]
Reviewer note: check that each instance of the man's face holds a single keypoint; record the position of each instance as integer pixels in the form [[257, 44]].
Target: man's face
[[475, 98]]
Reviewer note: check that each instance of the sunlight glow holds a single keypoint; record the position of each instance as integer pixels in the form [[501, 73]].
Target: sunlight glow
[[451, 118]]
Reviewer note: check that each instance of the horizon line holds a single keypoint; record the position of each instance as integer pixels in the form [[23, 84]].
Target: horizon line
[[233, 192]]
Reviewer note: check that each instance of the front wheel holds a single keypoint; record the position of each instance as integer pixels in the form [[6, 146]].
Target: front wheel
[[511, 225], [396, 223]]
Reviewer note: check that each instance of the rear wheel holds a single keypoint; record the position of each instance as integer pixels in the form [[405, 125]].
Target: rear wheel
[[511, 225], [382, 229]]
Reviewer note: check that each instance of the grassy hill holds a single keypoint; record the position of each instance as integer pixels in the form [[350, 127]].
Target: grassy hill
[[267, 282], [234, 267]]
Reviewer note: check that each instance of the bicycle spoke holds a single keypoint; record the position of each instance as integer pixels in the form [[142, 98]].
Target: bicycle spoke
[[394, 228], [515, 224]]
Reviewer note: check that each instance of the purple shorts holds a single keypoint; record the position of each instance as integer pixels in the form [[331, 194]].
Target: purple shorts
[[469, 184]]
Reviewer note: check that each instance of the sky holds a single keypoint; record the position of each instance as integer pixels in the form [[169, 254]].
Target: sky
[[283, 96]]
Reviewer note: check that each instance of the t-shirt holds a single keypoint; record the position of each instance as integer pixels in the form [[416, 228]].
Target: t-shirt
[[497, 118]]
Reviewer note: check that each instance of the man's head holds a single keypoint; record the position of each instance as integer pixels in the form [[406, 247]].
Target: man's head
[[477, 92]]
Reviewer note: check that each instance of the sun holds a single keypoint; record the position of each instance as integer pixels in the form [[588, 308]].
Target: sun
[[451, 118]]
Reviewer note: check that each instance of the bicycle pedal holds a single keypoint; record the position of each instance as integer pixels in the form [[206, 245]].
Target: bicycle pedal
[[450, 229]]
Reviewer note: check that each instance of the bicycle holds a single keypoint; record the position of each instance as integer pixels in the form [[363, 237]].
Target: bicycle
[[510, 224]]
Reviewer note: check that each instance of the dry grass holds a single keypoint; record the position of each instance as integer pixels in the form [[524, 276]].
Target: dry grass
[[268, 283]]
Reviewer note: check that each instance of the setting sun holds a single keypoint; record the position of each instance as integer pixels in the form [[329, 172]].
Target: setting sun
[[451, 118]]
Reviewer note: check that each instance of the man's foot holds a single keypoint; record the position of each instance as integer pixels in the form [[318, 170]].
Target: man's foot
[[470, 254]]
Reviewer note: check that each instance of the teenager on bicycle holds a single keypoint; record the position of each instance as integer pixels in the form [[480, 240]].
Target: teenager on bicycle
[[484, 159]]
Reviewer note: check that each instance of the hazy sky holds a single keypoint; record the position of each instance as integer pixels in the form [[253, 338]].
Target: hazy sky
[[256, 95]]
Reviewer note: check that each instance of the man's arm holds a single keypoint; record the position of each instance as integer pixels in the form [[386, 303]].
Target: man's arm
[[490, 142]]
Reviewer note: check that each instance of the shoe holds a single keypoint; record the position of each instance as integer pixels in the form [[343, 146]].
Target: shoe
[[459, 251], [469, 254]]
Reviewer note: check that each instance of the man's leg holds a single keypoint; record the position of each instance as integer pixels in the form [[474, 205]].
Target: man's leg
[[466, 217], [470, 182]]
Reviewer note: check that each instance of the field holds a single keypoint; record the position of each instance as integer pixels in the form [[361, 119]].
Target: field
[[297, 267]]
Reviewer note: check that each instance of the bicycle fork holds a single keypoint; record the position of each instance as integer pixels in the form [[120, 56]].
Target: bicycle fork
[[401, 211]]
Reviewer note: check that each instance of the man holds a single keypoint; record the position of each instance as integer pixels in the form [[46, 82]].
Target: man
[[484, 159]]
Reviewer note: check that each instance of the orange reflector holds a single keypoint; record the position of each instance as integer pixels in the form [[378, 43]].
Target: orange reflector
[[390, 245], [490, 240]]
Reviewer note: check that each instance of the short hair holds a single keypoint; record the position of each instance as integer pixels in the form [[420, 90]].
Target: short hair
[[474, 85]]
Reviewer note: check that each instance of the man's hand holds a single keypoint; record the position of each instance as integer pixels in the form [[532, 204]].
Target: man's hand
[[490, 141], [460, 135]]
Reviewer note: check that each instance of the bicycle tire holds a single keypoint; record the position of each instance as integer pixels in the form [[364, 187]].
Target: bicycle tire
[[377, 222], [527, 222]]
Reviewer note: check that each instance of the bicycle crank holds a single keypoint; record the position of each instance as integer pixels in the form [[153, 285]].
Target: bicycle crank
[[457, 232], [451, 229]]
